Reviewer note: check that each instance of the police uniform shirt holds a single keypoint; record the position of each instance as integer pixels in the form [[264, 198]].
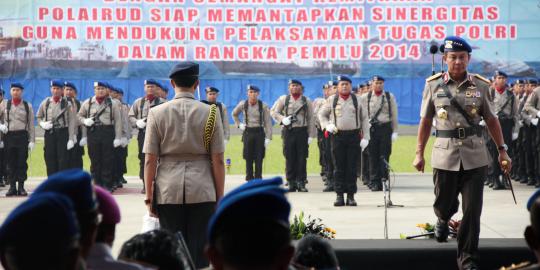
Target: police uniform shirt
[[105, 116], [51, 111], [75, 111], [317, 105], [124, 109], [346, 115], [135, 113], [510, 110], [18, 119], [254, 117], [375, 104], [523, 114], [532, 107], [473, 96], [175, 133], [225, 122], [304, 116]]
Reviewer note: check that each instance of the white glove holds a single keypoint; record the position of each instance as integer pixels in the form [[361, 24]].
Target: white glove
[[515, 135], [482, 123], [70, 144], [225, 142], [286, 121], [74, 139], [266, 142], [242, 126], [363, 144], [30, 146], [520, 122], [538, 114], [141, 123], [88, 122], [116, 143], [1, 145], [83, 142], [534, 121], [394, 136], [331, 128], [46, 125], [124, 142], [309, 140], [3, 128]]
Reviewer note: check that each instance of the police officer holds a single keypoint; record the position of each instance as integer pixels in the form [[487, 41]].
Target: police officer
[[163, 91], [317, 105], [119, 152], [344, 116], [506, 106], [137, 118], [382, 112], [56, 117], [528, 140], [533, 109], [212, 94], [327, 142], [257, 130], [295, 113], [128, 131], [458, 100], [18, 126], [190, 177], [102, 118], [3, 179], [77, 152], [520, 150]]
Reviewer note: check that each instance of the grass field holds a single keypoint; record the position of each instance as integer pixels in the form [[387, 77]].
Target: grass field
[[274, 163]]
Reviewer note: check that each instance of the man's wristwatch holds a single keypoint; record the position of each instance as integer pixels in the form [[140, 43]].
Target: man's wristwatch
[[503, 147], [147, 201]]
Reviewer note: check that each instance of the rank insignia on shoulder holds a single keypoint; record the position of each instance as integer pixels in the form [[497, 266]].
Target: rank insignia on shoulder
[[481, 78], [434, 77]]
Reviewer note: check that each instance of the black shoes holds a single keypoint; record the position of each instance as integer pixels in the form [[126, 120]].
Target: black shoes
[[441, 231], [12, 190], [302, 187], [340, 201], [350, 200]]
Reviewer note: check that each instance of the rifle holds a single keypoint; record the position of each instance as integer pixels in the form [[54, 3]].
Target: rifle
[[294, 114], [96, 117], [55, 120], [506, 178]]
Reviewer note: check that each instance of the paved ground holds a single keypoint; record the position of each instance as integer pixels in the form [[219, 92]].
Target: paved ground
[[501, 218]]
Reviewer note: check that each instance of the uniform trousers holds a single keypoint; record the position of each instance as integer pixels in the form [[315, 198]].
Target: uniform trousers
[[101, 152], [2, 162], [140, 142], [16, 146], [55, 150], [448, 186], [328, 160], [296, 153], [506, 128], [192, 220], [254, 150], [380, 147], [528, 152], [76, 154], [345, 150], [365, 166], [320, 145]]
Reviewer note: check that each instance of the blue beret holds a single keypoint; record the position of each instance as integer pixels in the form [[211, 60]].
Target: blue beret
[[151, 82], [532, 81], [184, 69], [294, 81], [332, 83], [533, 198], [118, 90], [16, 85], [70, 84], [46, 220], [344, 78], [211, 89], [57, 83], [500, 73], [520, 81], [456, 44], [100, 83], [377, 78], [361, 85], [74, 183], [253, 87], [257, 198]]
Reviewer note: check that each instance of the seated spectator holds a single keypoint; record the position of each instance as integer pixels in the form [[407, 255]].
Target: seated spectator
[[100, 257], [41, 233], [532, 232], [159, 248], [314, 252], [77, 185], [250, 228]]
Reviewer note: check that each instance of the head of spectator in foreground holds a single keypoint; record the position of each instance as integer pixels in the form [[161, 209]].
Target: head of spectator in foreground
[[314, 252], [41, 233], [158, 248], [76, 184], [532, 232], [110, 216], [250, 228]]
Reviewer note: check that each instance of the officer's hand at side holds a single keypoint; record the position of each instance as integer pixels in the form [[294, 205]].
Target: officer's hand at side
[[520, 122], [30, 146], [515, 135], [124, 142], [70, 144], [141, 123], [419, 163], [503, 156], [88, 122], [46, 125], [331, 128], [242, 126], [394, 136], [538, 114], [3, 128], [266, 142], [534, 121], [116, 142], [363, 144], [83, 142], [309, 140], [482, 123], [286, 121], [1, 145]]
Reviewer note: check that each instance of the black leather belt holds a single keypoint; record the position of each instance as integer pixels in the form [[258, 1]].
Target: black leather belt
[[459, 133], [348, 132]]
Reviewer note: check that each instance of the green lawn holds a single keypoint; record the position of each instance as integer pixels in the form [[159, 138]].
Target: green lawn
[[274, 163]]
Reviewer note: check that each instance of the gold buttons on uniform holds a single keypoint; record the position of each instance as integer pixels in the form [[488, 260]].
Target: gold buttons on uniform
[[458, 124]]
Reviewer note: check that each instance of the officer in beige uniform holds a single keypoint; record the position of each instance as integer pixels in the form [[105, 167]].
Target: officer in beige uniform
[[458, 100], [102, 118], [77, 152], [212, 94], [532, 107], [295, 113], [257, 130], [56, 117], [524, 149], [139, 113], [186, 136], [119, 166], [3, 179], [17, 118], [382, 112], [344, 116], [317, 105]]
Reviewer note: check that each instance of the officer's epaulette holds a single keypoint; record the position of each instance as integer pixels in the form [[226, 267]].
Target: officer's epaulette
[[516, 266], [478, 76], [436, 76]]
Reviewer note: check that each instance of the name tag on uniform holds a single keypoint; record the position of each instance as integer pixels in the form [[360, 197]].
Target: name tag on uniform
[[441, 93]]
